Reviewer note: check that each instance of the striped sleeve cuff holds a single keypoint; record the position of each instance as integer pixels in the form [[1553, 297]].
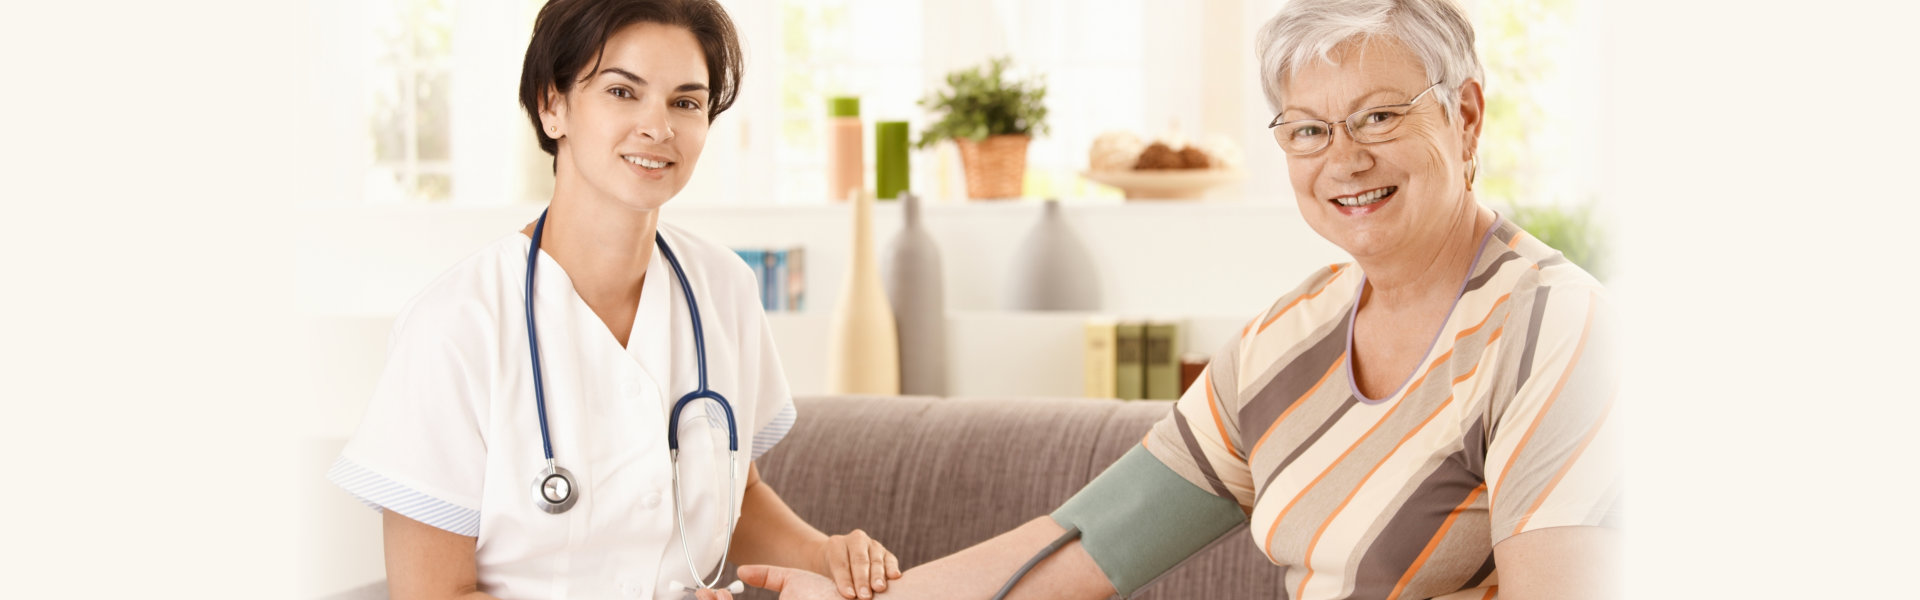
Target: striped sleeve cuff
[[775, 431], [385, 494]]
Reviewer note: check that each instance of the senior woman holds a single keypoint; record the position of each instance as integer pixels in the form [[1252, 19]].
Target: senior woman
[[1429, 420]]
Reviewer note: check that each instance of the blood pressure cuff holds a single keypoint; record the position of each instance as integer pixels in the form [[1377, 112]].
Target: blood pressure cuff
[[1140, 519]]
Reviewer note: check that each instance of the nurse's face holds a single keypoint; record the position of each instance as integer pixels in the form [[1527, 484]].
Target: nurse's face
[[631, 131]]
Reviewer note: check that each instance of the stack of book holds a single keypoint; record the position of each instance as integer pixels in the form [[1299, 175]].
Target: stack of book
[[1135, 359], [783, 276]]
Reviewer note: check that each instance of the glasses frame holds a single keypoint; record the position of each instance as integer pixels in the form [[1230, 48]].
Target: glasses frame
[[1347, 123]]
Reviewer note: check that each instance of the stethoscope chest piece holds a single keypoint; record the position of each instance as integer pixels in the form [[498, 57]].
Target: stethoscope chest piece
[[554, 491]]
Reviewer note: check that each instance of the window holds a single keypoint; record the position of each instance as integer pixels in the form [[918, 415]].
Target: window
[[1541, 140], [436, 87], [866, 48], [407, 103]]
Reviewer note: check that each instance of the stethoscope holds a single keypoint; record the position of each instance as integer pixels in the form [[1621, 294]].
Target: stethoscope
[[555, 490]]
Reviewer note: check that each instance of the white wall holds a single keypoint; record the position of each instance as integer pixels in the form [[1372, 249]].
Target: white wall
[[1213, 263]]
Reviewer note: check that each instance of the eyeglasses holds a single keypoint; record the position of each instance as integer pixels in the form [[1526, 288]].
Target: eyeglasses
[[1367, 126]]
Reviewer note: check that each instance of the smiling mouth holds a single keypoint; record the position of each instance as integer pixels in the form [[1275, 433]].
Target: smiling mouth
[[647, 163], [1368, 197]]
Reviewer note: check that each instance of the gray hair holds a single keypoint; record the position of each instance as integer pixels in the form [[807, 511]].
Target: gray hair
[[1436, 31]]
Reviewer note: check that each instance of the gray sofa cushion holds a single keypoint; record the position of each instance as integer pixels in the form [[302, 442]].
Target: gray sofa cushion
[[930, 476]]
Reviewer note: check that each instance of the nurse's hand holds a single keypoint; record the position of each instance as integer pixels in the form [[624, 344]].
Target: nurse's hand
[[858, 564], [792, 584]]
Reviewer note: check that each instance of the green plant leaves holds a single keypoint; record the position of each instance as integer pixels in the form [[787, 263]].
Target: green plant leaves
[[981, 102], [1572, 231]]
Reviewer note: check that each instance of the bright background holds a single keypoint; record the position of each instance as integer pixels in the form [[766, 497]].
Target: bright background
[[164, 160]]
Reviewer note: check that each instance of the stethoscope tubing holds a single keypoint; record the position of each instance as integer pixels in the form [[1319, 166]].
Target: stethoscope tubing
[[673, 431], [700, 357], [533, 340]]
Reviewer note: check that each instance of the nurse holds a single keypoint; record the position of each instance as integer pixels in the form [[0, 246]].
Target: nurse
[[455, 445]]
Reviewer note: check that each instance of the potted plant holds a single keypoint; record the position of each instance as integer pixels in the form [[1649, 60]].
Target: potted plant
[[992, 120]]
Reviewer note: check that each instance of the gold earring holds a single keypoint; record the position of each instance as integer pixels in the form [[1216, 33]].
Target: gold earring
[[1473, 169]]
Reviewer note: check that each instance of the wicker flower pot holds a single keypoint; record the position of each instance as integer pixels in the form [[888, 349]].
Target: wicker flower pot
[[996, 167]]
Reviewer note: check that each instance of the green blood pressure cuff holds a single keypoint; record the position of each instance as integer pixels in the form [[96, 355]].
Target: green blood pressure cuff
[[1140, 519]]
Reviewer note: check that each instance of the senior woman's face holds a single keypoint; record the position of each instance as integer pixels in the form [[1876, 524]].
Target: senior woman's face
[[1385, 199]]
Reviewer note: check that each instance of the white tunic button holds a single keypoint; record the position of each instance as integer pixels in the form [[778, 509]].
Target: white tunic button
[[652, 501]]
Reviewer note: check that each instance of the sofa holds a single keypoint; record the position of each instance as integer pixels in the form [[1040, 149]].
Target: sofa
[[930, 476]]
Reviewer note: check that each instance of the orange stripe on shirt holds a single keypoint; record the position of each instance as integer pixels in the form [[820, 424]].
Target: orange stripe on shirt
[[1282, 515], [1562, 474], [1467, 375], [1207, 376], [1444, 356], [1331, 276], [1491, 590], [1434, 544], [1343, 455], [1296, 404], [1437, 361], [1315, 542], [1572, 363], [1483, 320]]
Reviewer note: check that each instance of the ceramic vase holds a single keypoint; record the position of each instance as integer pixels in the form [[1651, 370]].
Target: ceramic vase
[[915, 289], [1052, 269], [863, 353]]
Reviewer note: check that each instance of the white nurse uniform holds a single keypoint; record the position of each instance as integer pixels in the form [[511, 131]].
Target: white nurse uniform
[[452, 439]]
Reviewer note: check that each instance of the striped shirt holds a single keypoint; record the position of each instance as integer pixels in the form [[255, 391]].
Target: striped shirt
[[1503, 428]]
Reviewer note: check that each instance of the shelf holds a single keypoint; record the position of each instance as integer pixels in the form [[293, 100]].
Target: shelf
[[1048, 360]]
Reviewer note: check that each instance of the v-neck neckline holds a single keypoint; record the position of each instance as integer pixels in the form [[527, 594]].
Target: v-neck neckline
[[1353, 318], [650, 335]]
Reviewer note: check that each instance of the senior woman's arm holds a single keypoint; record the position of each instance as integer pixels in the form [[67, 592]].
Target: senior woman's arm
[[1138, 519], [1560, 563], [769, 532], [976, 572]]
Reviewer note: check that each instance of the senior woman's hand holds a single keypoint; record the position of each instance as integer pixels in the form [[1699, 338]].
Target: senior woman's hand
[[858, 564], [791, 584]]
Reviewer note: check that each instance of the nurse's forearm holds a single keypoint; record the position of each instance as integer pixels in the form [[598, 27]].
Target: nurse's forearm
[[427, 563], [770, 533], [980, 571]]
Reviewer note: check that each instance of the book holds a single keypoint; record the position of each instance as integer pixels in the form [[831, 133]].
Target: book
[[1129, 366], [1161, 363], [796, 279], [1192, 364], [781, 274], [757, 260], [1101, 358], [774, 287]]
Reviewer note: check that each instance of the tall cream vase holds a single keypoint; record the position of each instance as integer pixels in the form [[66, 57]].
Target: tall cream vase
[[863, 352]]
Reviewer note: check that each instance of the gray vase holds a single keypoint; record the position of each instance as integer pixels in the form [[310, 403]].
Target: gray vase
[[911, 271], [1052, 269]]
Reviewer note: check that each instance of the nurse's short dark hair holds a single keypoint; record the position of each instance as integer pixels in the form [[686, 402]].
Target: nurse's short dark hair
[[569, 35]]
